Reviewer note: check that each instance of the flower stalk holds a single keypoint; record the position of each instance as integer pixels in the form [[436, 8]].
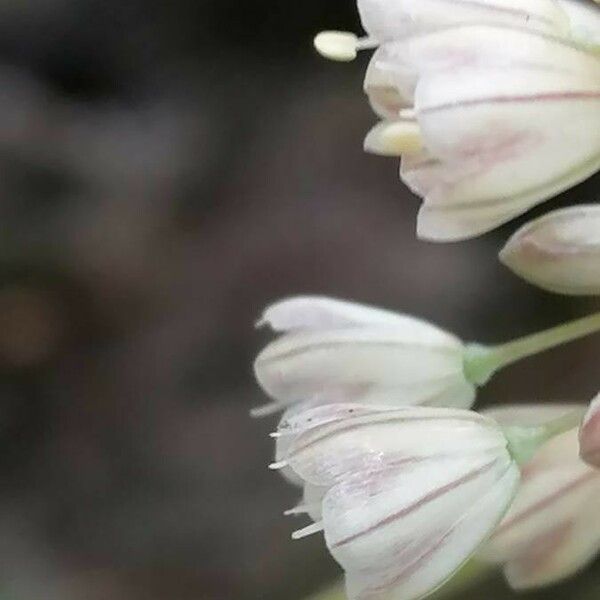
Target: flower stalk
[[481, 362]]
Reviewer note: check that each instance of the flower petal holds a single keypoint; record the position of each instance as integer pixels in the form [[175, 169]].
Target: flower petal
[[506, 145], [552, 529], [410, 551], [390, 19], [386, 439], [319, 312], [403, 364]]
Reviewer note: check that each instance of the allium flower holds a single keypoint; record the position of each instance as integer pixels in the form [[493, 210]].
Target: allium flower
[[559, 252], [552, 529], [589, 435], [493, 105], [405, 495], [336, 351], [489, 121]]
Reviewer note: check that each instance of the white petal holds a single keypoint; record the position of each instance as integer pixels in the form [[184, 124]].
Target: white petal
[[319, 312], [404, 364], [513, 148], [584, 18], [390, 19], [552, 529], [559, 252], [387, 439], [389, 91], [413, 532], [561, 553]]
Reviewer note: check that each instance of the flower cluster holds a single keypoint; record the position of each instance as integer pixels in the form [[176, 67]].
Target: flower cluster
[[377, 432], [494, 107]]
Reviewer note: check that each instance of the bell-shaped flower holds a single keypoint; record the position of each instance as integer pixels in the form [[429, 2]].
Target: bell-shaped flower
[[589, 435], [337, 351], [404, 495], [559, 252], [489, 121], [552, 529]]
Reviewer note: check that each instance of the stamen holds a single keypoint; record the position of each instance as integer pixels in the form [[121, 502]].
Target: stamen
[[341, 46], [393, 138], [266, 410], [306, 531], [276, 466]]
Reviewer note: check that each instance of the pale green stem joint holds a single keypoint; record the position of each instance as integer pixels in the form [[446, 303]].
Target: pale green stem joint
[[524, 441]]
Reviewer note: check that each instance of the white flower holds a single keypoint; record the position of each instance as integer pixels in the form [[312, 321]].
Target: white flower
[[559, 252], [336, 351], [552, 529], [589, 435], [489, 120], [408, 494]]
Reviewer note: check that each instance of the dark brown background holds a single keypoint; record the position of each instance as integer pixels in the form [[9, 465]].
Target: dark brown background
[[167, 170]]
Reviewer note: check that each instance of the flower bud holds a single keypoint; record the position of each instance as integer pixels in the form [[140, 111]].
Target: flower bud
[[589, 435], [337, 351], [559, 252], [409, 493]]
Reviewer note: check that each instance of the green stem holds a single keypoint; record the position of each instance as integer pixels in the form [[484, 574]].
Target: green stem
[[482, 362]]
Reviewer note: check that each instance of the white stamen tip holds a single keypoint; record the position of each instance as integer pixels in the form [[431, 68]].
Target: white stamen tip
[[336, 45], [275, 434], [278, 465], [261, 323], [306, 531]]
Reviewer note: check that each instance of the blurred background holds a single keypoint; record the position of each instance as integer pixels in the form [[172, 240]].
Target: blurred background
[[168, 168]]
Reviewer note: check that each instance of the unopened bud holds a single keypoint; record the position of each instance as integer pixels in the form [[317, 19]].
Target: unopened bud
[[559, 252]]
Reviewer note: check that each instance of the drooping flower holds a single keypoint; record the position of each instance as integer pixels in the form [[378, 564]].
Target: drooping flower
[[404, 495], [552, 529], [493, 105], [559, 252], [489, 122], [589, 435], [337, 351]]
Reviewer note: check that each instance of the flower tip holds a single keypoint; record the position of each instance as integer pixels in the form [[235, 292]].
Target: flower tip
[[340, 46]]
